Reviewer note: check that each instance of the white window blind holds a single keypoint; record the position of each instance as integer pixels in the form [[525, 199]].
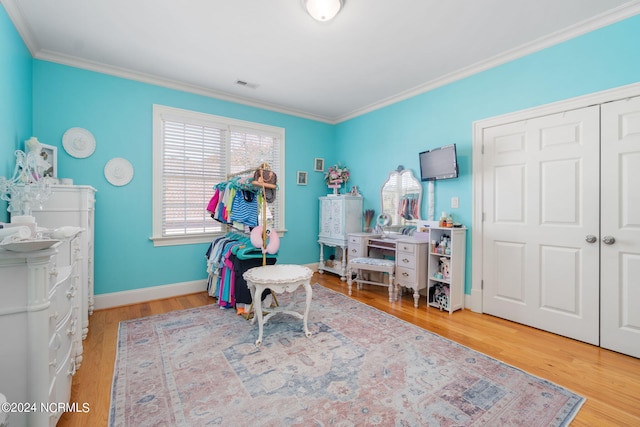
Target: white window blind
[[193, 152]]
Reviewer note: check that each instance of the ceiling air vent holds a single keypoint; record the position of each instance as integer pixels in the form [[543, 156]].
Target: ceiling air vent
[[246, 84]]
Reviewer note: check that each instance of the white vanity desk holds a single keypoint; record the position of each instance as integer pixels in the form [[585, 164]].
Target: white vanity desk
[[410, 254]]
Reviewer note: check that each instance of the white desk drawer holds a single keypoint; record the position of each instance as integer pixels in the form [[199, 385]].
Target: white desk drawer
[[406, 247], [406, 277], [354, 240], [406, 260], [354, 251]]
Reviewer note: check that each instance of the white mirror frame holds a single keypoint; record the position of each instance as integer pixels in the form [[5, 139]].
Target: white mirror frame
[[400, 184]]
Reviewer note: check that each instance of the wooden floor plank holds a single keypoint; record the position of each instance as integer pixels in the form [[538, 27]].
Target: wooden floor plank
[[610, 381]]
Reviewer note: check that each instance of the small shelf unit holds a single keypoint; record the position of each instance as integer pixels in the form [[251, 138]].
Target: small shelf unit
[[446, 291]]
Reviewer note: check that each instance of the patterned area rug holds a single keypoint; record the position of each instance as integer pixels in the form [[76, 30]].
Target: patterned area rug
[[360, 367]]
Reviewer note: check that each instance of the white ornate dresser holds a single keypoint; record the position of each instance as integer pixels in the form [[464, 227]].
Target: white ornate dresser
[[74, 205], [40, 340]]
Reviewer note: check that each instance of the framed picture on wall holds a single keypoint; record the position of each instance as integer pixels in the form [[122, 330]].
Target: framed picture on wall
[[49, 156], [302, 178], [318, 165]]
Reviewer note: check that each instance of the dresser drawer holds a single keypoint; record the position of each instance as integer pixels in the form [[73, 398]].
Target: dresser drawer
[[64, 377], [406, 260], [60, 388], [406, 277], [68, 198], [62, 294], [355, 246], [62, 341], [406, 247], [354, 240], [354, 250]]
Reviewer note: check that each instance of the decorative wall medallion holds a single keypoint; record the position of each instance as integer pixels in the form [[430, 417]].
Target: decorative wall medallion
[[79, 142], [118, 171]]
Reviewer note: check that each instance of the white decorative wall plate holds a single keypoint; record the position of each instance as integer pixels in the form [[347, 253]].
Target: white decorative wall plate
[[118, 171], [79, 142]]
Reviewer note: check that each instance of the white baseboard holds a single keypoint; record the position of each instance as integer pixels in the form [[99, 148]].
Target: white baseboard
[[116, 299], [135, 296]]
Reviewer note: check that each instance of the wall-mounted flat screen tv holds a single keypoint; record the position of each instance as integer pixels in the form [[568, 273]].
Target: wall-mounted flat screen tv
[[439, 163]]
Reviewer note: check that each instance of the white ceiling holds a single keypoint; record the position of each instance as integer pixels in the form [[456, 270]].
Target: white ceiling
[[373, 53]]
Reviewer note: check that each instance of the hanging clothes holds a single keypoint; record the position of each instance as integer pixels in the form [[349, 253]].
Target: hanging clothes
[[235, 202], [408, 207], [228, 257], [244, 208]]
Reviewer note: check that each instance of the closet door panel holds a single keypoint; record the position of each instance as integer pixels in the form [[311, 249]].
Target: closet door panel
[[620, 226], [504, 203], [540, 201]]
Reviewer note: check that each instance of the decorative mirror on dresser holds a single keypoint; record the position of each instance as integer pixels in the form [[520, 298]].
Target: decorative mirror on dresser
[[392, 256], [401, 198]]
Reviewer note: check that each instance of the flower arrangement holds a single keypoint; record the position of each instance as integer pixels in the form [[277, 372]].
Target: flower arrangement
[[337, 174]]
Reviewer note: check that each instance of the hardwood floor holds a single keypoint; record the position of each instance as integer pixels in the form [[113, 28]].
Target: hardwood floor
[[609, 381]]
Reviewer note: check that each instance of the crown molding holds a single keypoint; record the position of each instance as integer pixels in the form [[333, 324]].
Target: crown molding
[[614, 15], [171, 84], [610, 17], [15, 14]]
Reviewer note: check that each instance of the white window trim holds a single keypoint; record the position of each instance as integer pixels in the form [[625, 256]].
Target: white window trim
[[160, 113]]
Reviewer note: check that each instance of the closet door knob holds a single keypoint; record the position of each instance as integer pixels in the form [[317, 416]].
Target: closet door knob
[[608, 240], [591, 238]]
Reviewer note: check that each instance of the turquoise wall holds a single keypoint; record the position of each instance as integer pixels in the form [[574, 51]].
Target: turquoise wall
[[118, 112], [383, 139], [15, 98]]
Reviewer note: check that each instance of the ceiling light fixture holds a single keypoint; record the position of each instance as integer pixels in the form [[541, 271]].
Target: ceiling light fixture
[[323, 10]]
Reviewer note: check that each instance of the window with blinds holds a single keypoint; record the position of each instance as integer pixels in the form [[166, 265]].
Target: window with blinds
[[193, 152]]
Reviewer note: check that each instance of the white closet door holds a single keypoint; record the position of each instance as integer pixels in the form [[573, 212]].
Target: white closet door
[[620, 274], [541, 204]]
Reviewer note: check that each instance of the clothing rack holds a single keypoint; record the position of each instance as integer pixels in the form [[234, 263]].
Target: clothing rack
[[260, 183], [245, 250], [244, 172], [242, 184]]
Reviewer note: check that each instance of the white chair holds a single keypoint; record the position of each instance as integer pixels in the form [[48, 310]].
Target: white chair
[[357, 265]]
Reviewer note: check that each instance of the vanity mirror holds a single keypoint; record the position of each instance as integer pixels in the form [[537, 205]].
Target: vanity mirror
[[401, 198]]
